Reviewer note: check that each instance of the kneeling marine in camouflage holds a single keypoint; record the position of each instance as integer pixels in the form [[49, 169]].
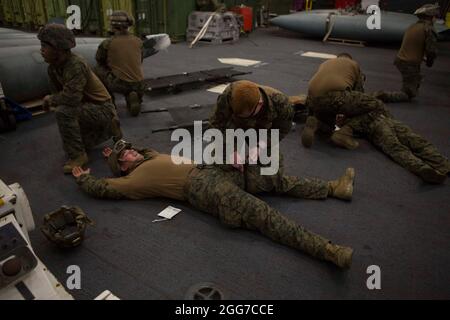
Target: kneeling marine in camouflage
[[419, 44], [84, 111], [336, 88], [119, 62], [148, 174]]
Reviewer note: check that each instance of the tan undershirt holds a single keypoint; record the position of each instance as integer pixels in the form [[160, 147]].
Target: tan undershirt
[[125, 58], [95, 90], [158, 177], [413, 45], [334, 75]]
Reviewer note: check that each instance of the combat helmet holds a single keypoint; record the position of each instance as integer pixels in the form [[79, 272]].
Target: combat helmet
[[431, 10], [58, 36], [121, 20], [113, 160], [66, 226]]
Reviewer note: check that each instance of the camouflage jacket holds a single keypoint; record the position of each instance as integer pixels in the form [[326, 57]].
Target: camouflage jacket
[[98, 188], [277, 113], [68, 82], [430, 44]]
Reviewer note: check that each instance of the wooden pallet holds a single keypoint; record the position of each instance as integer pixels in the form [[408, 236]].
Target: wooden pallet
[[346, 42]]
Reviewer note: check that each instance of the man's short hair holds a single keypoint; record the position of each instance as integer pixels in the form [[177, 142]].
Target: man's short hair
[[344, 54]]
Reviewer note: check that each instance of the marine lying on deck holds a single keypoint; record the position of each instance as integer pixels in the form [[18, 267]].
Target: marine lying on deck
[[220, 192]]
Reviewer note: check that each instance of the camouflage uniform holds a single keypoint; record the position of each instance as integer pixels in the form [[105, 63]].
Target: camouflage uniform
[[82, 123], [399, 142], [111, 81], [281, 184], [221, 194], [277, 113], [410, 70], [350, 103]]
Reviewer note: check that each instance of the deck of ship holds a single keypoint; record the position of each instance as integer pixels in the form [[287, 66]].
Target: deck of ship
[[394, 221]]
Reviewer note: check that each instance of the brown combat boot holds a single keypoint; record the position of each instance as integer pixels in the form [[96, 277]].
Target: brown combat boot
[[309, 131], [80, 161], [343, 188], [431, 175], [339, 255], [134, 104], [344, 138]]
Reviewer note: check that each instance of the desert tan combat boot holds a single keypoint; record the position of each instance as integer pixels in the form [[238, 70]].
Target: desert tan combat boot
[[134, 104], [339, 255], [309, 131], [343, 188], [81, 161], [344, 138]]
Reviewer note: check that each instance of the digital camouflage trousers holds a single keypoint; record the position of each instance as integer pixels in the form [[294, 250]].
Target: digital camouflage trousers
[[221, 193], [82, 128], [116, 85], [347, 102], [399, 142], [411, 79]]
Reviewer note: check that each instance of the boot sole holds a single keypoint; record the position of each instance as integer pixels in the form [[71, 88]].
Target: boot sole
[[432, 176], [308, 133], [349, 260], [351, 174], [307, 138], [134, 104]]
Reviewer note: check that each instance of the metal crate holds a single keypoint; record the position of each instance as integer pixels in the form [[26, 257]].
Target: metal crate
[[223, 27]]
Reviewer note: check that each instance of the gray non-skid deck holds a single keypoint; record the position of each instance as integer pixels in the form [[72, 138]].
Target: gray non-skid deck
[[395, 221]]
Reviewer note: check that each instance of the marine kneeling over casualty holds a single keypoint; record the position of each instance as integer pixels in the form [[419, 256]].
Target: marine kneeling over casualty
[[145, 173], [84, 110], [119, 62], [247, 105], [419, 44], [355, 112]]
